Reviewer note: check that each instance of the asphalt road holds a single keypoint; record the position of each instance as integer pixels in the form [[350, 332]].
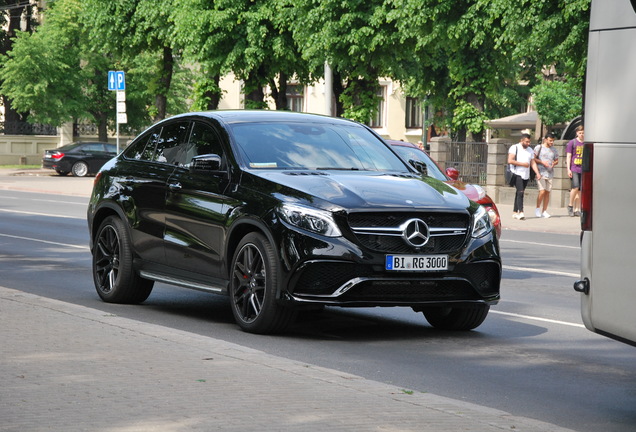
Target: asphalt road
[[532, 357]]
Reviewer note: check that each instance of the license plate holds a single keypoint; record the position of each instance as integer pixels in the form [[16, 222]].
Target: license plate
[[417, 262]]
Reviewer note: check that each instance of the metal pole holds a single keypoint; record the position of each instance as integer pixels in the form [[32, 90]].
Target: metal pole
[[328, 90]]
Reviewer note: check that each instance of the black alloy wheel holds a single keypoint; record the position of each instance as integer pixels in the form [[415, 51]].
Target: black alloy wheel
[[115, 278], [253, 284], [456, 318]]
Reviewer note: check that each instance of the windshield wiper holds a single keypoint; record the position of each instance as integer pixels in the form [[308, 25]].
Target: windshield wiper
[[338, 168]]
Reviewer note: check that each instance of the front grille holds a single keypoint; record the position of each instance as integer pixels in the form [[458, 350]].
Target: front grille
[[371, 230], [407, 291]]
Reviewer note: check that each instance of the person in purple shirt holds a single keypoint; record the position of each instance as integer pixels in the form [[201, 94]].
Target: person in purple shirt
[[574, 160]]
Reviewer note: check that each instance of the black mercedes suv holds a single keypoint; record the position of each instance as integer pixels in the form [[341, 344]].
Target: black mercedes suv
[[287, 211]]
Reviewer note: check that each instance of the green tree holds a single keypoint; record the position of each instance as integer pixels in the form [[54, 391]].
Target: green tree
[[360, 41], [10, 23], [130, 29], [247, 37], [464, 65], [557, 101], [53, 75]]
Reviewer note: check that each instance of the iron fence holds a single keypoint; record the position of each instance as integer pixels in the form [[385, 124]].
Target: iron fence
[[24, 128], [470, 159]]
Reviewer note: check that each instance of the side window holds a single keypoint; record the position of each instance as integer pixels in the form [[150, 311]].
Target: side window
[[170, 144], [144, 147], [93, 147], [203, 140]]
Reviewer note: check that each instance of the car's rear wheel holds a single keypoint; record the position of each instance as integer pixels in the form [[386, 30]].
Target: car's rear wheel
[[60, 172], [253, 287], [456, 318], [115, 278], [79, 169]]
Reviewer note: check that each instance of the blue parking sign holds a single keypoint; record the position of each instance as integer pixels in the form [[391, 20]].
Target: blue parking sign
[[116, 80]]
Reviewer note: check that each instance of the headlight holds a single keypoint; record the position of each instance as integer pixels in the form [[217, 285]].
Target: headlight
[[481, 223], [310, 219]]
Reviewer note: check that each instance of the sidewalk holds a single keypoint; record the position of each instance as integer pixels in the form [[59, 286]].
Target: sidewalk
[[560, 222], [70, 368]]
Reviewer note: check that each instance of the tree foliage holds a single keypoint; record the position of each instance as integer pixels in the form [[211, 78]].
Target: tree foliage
[[467, 59], [557, 101]]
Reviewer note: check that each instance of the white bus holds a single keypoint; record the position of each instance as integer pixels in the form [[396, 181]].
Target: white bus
[[608, 191]]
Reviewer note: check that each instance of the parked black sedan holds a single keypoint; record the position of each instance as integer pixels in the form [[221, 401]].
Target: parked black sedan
[[284, 212], [80, 159]]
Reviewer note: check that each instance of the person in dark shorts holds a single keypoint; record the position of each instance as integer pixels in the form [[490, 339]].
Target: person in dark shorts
[[574, 161]]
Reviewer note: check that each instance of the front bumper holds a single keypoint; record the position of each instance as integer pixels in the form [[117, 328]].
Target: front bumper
[[341, 272]]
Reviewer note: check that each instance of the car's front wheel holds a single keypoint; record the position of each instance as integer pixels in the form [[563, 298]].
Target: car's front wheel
[[79, 169], [115, 278], [253, 287], [456, 318]]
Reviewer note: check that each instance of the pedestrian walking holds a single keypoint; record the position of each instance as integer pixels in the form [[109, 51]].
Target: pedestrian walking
[[546, 158], [521, 160], [574, 161]]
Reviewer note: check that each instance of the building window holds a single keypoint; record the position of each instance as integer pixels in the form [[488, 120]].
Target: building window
[[413, 113], [377, 121], [295, 97]]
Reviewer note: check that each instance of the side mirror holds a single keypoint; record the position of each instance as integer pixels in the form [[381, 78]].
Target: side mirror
[[206, 162], [419, 166], [453, 173]]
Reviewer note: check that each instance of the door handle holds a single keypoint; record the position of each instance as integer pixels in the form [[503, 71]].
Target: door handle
[[174, 186]]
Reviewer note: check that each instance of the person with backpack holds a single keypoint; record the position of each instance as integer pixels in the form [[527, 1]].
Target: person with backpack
[[521, 161], [546, 157]]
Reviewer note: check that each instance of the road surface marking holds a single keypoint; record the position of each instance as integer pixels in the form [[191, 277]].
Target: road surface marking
[[539, 244], [533, 318], [536, 270], [41, 214], [45, 241]]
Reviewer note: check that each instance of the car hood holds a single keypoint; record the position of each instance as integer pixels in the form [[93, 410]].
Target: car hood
[[366, 189]]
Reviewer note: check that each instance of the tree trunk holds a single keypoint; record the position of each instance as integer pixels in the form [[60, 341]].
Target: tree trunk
[[254, 95], [102, 126], [338, 89], [214, 96], [477, 102], [161, 98], [279, 93]]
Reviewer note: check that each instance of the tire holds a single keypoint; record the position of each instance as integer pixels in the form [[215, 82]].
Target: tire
[[457, 318], [253, 285], [115, 277], [62, 173], [79, 169]]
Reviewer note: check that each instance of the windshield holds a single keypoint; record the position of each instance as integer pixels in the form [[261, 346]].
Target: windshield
[[412, 153], [313, 146]]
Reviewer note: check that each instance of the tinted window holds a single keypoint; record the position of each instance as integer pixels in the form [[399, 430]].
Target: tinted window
[[413, 153], [144, 147], [295, 145], [203, 140], [111, 148], [93, 147], [170, 144]]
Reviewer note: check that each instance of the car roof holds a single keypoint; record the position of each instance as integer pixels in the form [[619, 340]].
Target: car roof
[[241, 116]]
